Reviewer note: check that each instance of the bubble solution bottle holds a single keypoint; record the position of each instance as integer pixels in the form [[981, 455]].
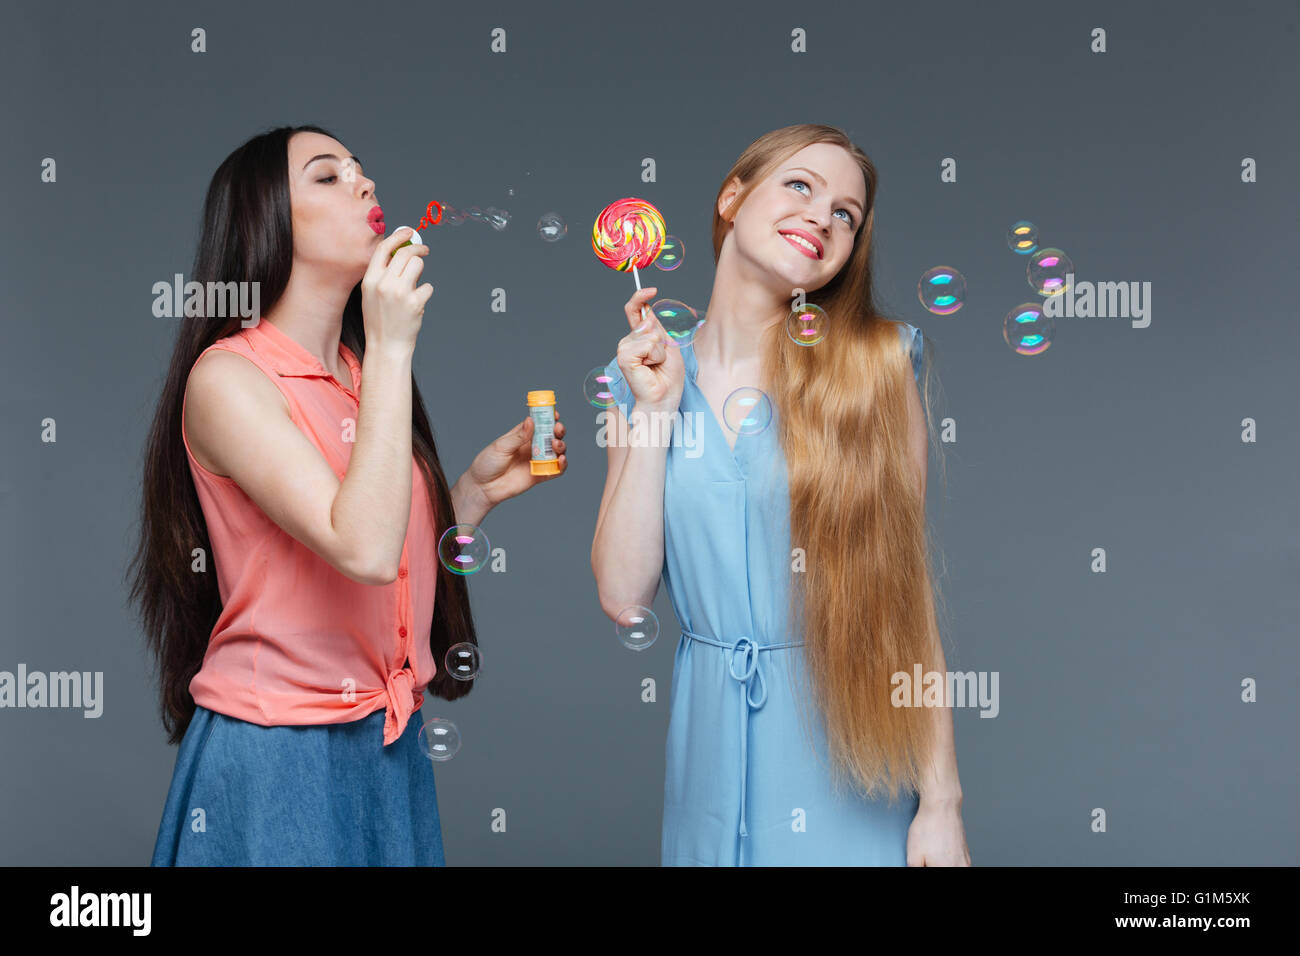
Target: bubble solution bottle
[[541, 407], [414, 240]]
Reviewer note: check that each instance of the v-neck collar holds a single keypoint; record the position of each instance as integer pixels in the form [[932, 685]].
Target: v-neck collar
[[693, 370]]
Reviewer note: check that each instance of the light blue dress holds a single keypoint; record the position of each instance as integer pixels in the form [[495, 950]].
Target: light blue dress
[[742, 786]]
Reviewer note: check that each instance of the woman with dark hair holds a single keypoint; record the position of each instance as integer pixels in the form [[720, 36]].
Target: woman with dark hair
[[297, 453], [795, 555]]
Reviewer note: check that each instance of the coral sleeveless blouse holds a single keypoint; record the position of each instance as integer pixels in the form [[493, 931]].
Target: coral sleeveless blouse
[[297, 641]]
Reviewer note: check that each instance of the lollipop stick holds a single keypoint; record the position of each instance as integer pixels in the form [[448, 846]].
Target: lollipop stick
[[637, 277]]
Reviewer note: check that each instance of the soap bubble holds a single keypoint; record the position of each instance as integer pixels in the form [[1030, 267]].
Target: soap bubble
[[942, 290], [806, 326], [551, 227], [496, 218], [1049, 271], [463, 661], [439, 739], [679, 320], [597, 388], [1022, 237], [747, 411], [671, 255], [463, 549], [1027, 330], [636, 627]]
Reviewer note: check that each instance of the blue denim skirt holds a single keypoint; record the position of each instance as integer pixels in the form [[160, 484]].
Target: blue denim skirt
[[320, 795]]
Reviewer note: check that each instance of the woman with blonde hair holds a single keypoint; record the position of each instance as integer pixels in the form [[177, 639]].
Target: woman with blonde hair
[[795, 555]]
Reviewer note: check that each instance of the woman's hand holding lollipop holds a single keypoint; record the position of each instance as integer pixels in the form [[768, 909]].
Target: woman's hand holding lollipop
[[654, 371]]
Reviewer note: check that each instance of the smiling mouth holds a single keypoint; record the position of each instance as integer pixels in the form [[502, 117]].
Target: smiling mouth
[[802, 244]]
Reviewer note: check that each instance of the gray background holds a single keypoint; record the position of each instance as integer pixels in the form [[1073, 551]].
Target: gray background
[[1118, 690]]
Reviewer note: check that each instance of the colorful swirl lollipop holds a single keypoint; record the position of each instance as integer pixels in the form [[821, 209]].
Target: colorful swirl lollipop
[[629, 234]]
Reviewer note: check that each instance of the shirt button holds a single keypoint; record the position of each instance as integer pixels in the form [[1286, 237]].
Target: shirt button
[[401, 572], [402, 631]]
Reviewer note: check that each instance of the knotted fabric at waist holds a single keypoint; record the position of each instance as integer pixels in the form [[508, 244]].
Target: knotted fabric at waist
[[402, 702], [745, 666]]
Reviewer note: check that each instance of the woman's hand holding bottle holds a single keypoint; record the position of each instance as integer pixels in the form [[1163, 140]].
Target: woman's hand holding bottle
[[392, 307]]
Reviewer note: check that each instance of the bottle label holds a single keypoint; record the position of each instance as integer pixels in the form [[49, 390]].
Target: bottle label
[[543, 430]]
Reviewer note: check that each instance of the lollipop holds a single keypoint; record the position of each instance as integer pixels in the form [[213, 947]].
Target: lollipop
[[628, 234]]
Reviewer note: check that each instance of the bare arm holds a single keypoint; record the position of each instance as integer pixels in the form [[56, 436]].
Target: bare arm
[[238, 423], [373, 504], [467, 502], [627, 552]]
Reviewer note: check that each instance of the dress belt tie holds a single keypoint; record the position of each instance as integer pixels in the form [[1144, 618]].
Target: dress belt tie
[[745, 652], [400, 687]]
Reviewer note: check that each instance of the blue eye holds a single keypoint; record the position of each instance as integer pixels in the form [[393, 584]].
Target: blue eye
[[848, 214]]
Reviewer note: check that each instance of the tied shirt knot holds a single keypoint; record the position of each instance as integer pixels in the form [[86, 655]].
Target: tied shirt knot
[[402, 702]]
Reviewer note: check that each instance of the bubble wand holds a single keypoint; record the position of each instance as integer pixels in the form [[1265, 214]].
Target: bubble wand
[[428, 219]]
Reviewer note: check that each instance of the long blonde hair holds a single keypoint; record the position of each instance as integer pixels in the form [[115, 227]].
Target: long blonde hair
[[863, 599]]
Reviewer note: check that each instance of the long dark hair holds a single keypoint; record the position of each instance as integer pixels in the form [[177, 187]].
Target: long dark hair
[[246, 236]]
